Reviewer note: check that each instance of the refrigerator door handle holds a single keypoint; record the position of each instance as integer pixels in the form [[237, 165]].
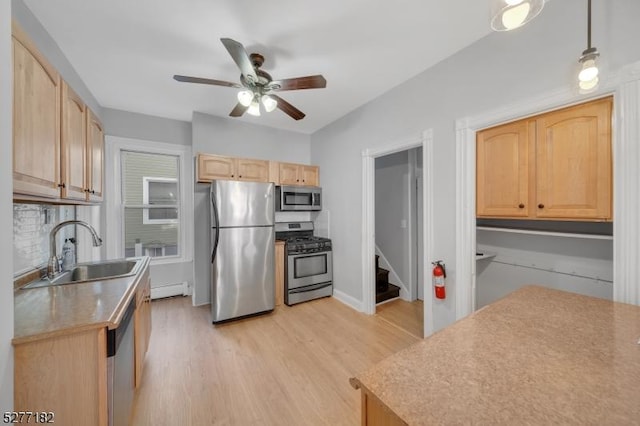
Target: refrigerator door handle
[[214, 208]]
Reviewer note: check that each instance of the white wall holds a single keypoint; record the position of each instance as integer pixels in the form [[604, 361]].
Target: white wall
[[50, 49], [578, 265], [499, 69], [392, 202], [224, 136], [146, 127], [6, 213]]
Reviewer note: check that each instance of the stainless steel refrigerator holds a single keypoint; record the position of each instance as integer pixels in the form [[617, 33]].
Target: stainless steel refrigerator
[[242, 249]]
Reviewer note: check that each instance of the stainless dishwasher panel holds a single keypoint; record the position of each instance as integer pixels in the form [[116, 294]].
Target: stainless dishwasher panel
[[120, 369]]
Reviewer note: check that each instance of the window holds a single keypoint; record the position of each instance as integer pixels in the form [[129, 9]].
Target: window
[[159, 191], [156, 224], [151, 202]]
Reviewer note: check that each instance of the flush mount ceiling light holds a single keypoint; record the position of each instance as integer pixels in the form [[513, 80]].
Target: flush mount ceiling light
[[588, 75], [508, 15]]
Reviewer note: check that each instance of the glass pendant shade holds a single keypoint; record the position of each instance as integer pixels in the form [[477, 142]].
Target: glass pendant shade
[[508, 15], [245, 97], [269, 103], [254, 108], [589, 70]]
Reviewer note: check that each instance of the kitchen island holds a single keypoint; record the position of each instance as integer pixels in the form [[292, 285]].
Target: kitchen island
[[538, 356]]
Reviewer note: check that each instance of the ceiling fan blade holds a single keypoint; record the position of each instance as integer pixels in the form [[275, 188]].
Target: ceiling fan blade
[[187, 79], [238, 110], [308, 82], [240, 57], [288, 109]]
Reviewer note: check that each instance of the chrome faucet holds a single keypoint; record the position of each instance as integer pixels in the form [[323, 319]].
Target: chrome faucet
[[54, 267]]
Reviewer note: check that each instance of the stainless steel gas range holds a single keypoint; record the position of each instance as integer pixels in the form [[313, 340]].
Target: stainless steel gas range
[[308, 266]]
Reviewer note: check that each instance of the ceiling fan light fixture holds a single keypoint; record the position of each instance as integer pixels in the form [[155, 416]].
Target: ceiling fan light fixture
[[269, 103], [508, 15], [245, 97], [254, 108]]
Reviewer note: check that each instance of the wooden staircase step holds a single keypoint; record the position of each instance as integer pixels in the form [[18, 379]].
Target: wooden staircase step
[[392, 291], [382, 280]]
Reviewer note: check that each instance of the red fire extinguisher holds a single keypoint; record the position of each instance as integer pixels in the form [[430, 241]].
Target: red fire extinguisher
[[439, 274]]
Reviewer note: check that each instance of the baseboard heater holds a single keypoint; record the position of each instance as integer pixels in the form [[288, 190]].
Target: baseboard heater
[[179, 289]]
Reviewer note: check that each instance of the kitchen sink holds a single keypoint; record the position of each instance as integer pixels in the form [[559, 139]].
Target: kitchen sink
[[95, 271]]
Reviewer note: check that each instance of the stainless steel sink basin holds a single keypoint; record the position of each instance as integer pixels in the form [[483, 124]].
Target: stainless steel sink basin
[[91, 272]]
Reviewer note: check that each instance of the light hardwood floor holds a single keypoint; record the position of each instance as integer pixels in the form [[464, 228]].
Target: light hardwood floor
[[291, 367], [408, 316]]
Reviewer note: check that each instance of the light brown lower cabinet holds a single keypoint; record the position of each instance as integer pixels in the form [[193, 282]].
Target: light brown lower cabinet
[[67, 374], [280, 272], [375, 413], [64, 375]]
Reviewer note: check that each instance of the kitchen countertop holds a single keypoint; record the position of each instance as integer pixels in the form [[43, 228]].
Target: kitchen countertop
[[537, 356], [62, 309]]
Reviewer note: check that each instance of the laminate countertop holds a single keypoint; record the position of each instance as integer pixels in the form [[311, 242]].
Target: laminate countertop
[[57, 310], [538, 356]]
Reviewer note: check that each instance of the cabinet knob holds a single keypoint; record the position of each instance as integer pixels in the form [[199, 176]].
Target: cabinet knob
[[240, 176], [521, 206], [541, 206], [93, 191], [232, 176], [62, 185]]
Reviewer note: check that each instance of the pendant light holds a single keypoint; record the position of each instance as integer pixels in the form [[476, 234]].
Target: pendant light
[[588, 75], [508, 15]]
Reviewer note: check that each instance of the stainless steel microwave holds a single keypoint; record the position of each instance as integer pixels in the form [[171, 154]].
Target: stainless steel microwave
[[298, 198]]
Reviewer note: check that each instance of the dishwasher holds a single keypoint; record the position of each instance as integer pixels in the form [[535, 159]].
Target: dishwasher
[[120, 369]]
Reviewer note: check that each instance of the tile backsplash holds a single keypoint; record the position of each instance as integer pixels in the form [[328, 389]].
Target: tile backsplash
[[31, 226]]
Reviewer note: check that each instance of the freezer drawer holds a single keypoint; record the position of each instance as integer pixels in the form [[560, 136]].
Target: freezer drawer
[[243, 272]]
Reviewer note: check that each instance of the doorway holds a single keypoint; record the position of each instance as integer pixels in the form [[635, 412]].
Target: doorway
[[415, 221], [397, 204]]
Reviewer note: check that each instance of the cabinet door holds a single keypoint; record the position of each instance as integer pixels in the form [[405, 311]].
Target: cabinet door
[[211, 167], [502, 170], [95, 157], [36, 121], [574, 162], [74, 145], [253, 170], [310, 175], [289, 174]]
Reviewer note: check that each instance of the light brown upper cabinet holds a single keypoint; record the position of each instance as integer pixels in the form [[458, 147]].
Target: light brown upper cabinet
[[58, 143], [36, 121], [95, 158], [74, 145], [212, 167], [298, 174], [502, 164], [553, 166]]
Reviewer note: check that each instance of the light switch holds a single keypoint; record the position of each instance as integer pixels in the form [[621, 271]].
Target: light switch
[[403, 223]]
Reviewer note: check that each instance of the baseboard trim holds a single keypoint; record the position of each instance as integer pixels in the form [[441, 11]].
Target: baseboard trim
[[180, 289], [350, 301]]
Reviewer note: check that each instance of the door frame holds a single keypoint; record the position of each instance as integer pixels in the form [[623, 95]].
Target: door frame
[[425, 140], [625, 88]]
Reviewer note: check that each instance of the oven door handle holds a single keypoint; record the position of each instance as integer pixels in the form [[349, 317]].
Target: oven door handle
[[312, 287]]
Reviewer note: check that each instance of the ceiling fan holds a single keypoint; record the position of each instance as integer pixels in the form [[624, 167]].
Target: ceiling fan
[[257, 85]]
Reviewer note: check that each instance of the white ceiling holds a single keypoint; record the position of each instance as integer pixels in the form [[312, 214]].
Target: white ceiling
[[127, 51]]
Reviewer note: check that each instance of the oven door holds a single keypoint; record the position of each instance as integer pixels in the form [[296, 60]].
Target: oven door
[[308, 269]]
